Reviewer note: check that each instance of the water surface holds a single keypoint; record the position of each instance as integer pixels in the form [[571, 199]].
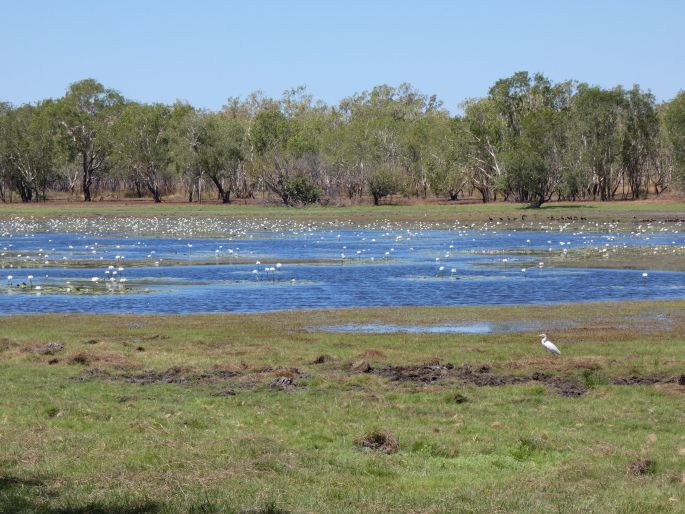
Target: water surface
[[355, 268]]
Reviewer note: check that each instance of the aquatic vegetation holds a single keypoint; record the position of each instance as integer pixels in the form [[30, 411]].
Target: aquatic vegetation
[[332, 265]]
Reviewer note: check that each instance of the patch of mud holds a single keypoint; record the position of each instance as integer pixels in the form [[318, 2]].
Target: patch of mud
[[642, 467], [322, 359], [379, 440], [649, 380], [284, 379], [50, 348], [9, 481], [283, 383], [479, 377], [176, 375]]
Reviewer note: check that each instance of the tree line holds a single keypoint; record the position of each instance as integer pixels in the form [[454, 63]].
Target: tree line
[[529, 140]]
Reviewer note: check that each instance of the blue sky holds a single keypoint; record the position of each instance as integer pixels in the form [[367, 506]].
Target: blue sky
[[206, 51]]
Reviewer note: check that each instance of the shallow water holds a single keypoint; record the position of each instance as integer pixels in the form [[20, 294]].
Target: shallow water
[[361, 268], [380, 328]]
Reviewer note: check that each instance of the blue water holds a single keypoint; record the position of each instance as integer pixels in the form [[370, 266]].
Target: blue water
[[379, 268], [384, 328]]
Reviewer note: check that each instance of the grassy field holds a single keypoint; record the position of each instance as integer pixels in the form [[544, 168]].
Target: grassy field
[[269, 413], [272, 413], [623, 211]]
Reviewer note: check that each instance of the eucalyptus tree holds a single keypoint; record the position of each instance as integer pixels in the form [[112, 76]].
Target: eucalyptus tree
[[382, 182], [221, 150], [663, 172], [442, 153], [535, 163], [484, 132], [27, 150], [312, 125], [674, 124], [269, 140], [143, 145], [426, 141], [85, 115], [448, 158], [596, 136], [350, 148], [5, 188], [377, 138], [184, 133], [518, 136], [640, 139], [286, 142]]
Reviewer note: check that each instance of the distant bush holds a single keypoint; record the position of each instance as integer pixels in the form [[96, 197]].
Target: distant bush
[[300, 190]]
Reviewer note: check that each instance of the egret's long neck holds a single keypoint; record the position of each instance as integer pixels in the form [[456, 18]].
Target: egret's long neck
[[544, 339]]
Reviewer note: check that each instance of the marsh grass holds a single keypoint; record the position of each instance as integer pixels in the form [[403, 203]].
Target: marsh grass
[[87, 434]]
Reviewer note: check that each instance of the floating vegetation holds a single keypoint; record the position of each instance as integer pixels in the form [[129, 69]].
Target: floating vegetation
[[76, 288]]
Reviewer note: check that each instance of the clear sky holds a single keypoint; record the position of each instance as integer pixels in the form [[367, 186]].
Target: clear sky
[[206, 51]]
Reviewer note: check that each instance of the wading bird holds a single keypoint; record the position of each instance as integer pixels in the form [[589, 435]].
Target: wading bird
[[549, 345]]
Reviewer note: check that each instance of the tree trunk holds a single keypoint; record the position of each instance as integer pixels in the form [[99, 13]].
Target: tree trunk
[[537, 201], [87, 183], [224, 194], [155, 191], [25, 193]]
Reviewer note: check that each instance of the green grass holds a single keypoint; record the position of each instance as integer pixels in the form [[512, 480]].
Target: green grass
[[106, 445]]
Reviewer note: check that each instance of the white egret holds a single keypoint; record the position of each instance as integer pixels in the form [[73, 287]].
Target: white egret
[[549, 345]]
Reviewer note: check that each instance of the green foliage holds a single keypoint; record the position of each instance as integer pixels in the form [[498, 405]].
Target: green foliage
[[382, 183], [270, 131], [528, 140], [674, 122], [85, 115], [300, 190], [220, 150], [27, 150], [142, 145]]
